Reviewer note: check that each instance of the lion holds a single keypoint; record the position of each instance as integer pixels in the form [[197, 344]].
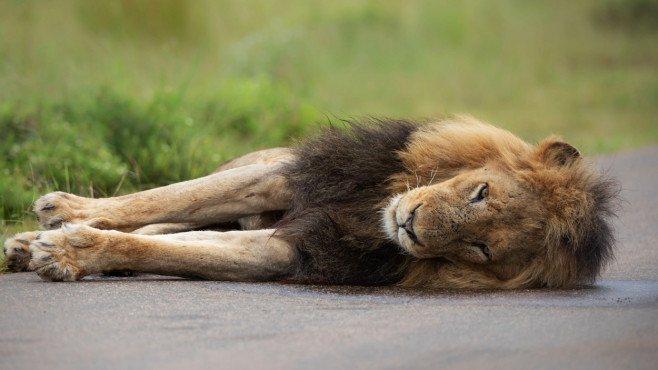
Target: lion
[[455, 203]]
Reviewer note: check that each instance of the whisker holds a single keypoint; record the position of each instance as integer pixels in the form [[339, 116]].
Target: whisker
[[433, 173]]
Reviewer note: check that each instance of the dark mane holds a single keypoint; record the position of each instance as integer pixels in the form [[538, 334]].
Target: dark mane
[[580, 246], [340, 181], [594, 246]]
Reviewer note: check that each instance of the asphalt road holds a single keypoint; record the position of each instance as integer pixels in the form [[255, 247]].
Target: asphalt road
[[155, 322]]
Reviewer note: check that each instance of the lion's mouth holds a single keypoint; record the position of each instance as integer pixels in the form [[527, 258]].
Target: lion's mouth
[[408, 226]]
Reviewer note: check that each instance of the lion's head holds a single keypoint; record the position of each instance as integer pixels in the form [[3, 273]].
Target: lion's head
[[481, 208]]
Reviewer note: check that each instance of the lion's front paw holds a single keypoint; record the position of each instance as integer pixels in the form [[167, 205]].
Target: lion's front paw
[[17, 251], [64, 254], [56, 208], [53, 209]]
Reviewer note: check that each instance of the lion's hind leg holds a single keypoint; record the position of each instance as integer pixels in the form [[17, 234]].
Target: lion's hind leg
[[171, 228], [75, 251], [260, 221]]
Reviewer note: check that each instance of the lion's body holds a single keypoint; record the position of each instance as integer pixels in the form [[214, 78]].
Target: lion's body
[[451, 204]]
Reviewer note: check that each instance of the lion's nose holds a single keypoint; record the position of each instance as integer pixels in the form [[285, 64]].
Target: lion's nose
[[408, 226]]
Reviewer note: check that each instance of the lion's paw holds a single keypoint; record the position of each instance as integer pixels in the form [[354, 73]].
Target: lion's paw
[[55, 209], [62, 255], [17, 251]]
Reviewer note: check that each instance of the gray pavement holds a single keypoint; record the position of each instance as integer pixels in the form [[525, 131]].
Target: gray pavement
[[157, 322]]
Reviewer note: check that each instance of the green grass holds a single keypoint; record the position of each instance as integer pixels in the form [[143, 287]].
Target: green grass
[[108, 97]]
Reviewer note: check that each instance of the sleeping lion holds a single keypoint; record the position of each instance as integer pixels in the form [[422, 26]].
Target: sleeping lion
[[449, 204]]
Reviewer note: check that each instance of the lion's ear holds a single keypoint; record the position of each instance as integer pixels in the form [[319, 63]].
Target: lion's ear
[[558, 153]]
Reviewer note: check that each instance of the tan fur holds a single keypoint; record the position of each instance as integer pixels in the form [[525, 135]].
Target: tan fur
[[477, 208], [220, 197], [75, 251]]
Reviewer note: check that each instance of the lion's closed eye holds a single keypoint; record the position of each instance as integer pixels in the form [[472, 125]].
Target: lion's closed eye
[[484, 249], [480, 193]]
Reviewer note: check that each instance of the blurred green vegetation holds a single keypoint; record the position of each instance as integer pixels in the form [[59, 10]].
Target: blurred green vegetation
[[107, 97]]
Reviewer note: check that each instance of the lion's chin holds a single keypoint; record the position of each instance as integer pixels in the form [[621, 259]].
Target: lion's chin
[[389, 218]]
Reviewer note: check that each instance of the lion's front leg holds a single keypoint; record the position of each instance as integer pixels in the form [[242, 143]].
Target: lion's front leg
[[221, 197], [75, 251]]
